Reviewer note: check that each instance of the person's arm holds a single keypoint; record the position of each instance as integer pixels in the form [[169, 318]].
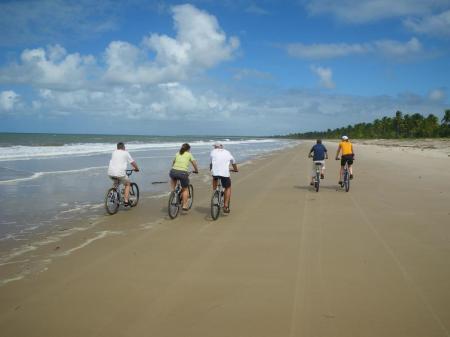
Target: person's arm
[[135, 166], [337, 152], [326, 152], [311, 151], [132, 162], [194, 163]]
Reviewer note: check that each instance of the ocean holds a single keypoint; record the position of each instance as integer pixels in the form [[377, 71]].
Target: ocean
[[52, 180]]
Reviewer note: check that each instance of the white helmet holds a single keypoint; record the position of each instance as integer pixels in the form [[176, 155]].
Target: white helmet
[[344, 138]]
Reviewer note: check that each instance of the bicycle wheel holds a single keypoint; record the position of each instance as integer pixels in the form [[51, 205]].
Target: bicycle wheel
[[174, 205], [133, 198], [215, 205], [190, 196], [347, 184], [112, 201], [317, 182]]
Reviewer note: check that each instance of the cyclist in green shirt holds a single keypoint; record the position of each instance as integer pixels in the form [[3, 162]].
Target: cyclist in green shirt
[[179, 171]]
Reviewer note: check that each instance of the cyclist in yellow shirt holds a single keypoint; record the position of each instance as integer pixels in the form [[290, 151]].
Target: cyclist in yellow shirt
[[179, 171], [346, 148]]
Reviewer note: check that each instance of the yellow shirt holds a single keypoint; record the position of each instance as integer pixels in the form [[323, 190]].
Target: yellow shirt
[[182, 161], [346, 148]]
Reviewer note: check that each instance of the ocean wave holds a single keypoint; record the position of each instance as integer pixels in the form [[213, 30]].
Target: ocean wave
[[20, 152], [41, 174]]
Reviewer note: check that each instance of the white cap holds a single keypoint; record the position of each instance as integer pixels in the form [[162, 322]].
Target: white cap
[[217, 144], [344, 138]]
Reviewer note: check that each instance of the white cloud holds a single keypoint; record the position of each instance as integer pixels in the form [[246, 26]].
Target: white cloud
[[437, 25], [51, 67], [393, 48], [8, 99], [362, 11], [325, 76], [199, 44], [389, 48], [437, 95]]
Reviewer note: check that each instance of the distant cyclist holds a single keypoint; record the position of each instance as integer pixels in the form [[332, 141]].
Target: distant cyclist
[[117, 168], [318, 153], [179, 171], [220, 169], [346, 148]]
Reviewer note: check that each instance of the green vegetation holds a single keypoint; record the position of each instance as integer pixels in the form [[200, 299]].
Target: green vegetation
[[400, 126]]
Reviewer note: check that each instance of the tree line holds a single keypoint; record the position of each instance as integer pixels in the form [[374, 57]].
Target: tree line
[[400, 126]]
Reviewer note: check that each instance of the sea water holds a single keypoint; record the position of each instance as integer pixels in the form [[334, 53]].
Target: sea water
[[51, 179]]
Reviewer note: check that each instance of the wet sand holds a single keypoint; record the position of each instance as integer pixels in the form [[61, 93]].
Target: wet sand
[[287, 261]]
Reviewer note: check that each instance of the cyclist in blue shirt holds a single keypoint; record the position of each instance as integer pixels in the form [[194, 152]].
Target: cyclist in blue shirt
[[318, 153]]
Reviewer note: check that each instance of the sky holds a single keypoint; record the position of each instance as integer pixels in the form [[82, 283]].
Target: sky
[[231, 67]]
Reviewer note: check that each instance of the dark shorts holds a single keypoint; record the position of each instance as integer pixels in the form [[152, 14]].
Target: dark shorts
[[182, 176], [226, 181], [348, 158]]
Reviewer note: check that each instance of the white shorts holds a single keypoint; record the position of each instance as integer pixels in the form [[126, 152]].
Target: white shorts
[[313, 173]]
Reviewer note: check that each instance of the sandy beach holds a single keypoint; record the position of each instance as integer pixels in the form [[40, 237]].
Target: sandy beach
[[286, 261]]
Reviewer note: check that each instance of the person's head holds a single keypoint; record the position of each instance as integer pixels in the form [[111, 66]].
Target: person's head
[[120, 146], [319, 141], [185, 147], [218, 145], [345, 138]]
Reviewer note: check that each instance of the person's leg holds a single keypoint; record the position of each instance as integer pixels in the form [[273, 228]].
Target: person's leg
[[227, 196], [184, 196], [127, 192], [341, 172], [173, 183], [214, 183], [350, 169]]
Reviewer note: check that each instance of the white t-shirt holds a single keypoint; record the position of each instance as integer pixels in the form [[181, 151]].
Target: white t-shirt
[[221, 159], [118, 163]]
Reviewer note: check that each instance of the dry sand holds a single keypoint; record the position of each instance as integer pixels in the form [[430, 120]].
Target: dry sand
[[287, 261]]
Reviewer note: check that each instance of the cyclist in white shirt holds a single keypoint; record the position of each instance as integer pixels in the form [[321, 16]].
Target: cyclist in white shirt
[[220, 169], [117, 166]]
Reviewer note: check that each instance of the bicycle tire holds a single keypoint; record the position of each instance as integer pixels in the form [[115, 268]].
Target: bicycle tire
[[190, 196], [347, 184], [317, 182], [215, 205], [174, 205], [133, 198], [112, 201]]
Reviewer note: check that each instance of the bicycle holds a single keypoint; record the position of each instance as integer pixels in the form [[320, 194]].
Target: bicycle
[[345, 177], [217, 200], [317, 176], [175, 199], [115, 195]]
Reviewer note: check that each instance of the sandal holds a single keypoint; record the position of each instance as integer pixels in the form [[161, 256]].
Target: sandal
[[185, 209], [226, 209]]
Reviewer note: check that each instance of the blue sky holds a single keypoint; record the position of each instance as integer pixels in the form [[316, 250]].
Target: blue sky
[[219, 67]]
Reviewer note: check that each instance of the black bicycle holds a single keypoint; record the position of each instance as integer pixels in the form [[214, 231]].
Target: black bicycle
[[115, 195], [175, 199]]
